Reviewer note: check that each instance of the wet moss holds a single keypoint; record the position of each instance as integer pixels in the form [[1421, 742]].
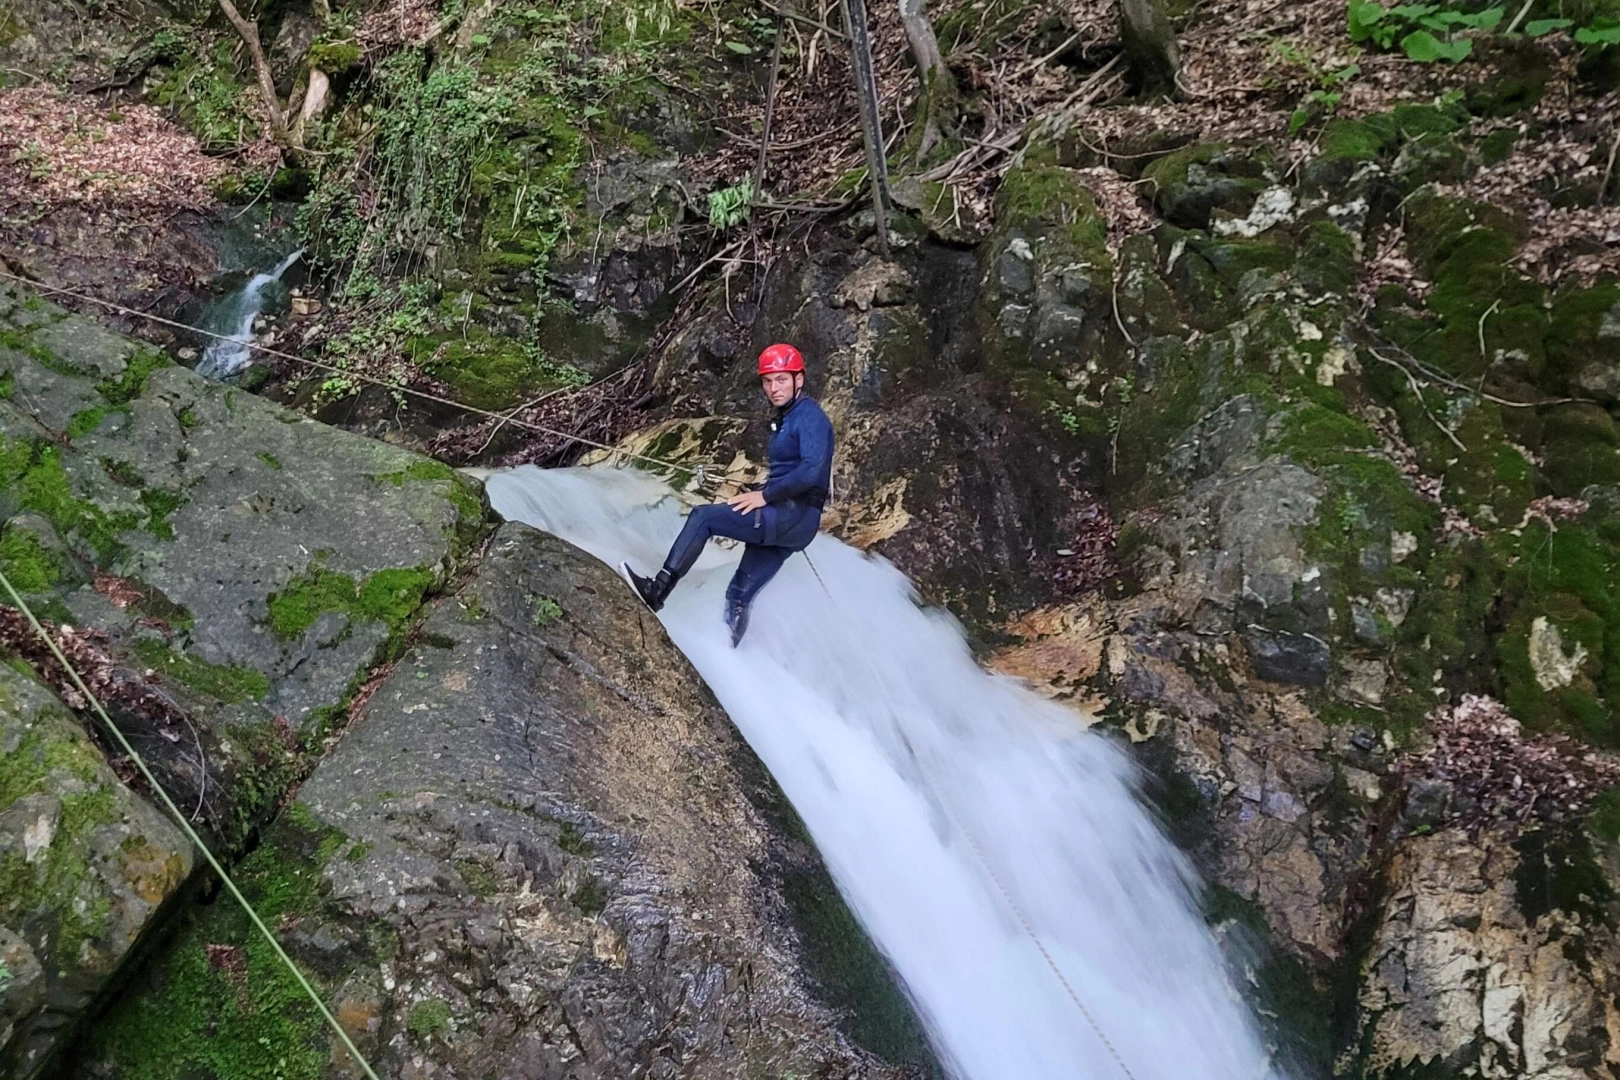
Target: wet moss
[[221, 682], [388, 596], [218, 1003], [29, 565], [32, 471], [1294, 1009]]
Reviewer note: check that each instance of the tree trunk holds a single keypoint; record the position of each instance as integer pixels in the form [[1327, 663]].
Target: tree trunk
[[1151, 44], [938, 88], [274, 117]]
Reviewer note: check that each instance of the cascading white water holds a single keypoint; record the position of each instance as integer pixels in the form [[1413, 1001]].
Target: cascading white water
[[224, 358], [963, 817]]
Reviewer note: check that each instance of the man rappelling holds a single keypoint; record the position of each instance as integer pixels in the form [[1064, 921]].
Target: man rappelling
[[772, 523]]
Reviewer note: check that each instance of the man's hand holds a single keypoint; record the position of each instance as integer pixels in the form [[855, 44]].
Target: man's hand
[[747, 502]]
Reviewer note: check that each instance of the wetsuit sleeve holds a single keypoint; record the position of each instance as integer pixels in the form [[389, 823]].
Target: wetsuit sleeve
[[815, 452]]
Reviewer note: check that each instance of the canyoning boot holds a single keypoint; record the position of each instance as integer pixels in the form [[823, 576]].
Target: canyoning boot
[[653, 591], [737, 619]]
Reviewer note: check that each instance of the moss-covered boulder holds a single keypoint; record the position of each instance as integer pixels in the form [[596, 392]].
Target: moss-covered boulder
[[85, 866], [258, 541], [542, 848]]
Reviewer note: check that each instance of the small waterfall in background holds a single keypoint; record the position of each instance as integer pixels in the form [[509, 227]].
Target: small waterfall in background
[[235, 316], [993, 847]]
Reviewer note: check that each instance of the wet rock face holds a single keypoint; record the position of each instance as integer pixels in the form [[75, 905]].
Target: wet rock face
[[85, 865], [558, 838]]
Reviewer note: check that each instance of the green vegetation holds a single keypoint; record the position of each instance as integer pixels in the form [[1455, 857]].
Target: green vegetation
[[225, 683], [32, 471], [546, 611], [387, 596], [428, 1019], [58, 892], [129, 385], [29, 565], [224, 1005]]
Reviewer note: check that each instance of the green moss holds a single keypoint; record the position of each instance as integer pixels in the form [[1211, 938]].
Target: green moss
[[590, 898], [388, 596], [219, 1003], [28, 564], [1315, 435], [479, 879], [1356, 140], [269, 459], [296, 608], [129, 385], [33, 473], [334, 57], [57, 893], [1053, 196], [85, 421], [428, 1019], [123, 473], [161, 502], [1294, 1008], [224, 683]]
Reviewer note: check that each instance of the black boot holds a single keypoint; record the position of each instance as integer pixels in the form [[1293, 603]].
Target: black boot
[[737, 619], [653, 591]]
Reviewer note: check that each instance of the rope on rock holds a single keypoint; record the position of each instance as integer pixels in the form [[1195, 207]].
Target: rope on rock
[[185, 827], [698, 471]]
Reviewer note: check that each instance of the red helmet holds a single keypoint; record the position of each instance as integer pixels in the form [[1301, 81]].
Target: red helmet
[[780, 358]]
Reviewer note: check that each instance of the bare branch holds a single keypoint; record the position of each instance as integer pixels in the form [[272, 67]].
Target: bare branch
[[249, 32]]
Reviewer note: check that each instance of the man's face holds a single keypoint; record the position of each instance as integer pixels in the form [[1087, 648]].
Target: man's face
[[780, 386]]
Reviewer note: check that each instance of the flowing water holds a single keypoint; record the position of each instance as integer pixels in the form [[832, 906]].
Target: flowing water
[[234, 316], [990, 845]]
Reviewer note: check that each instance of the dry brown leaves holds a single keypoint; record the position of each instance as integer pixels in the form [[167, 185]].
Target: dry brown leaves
[[398, 23], [1121, 203], [61, 150], [85, 650], [1498, 775], [1089, 560]]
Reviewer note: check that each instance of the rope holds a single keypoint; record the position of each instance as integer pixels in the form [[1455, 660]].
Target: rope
[[185, 826], [990, 871], [346, 373]]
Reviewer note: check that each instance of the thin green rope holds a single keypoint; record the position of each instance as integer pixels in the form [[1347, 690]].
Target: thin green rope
[[191, 834]]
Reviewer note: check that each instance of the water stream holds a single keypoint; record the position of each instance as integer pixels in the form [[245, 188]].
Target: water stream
[[234, 316], [991, 846]]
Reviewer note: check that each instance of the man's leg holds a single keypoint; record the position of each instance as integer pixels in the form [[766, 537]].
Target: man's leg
[[701, 524], [759, 564]]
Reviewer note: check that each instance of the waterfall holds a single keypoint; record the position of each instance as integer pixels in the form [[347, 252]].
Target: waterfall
[[994, 849], [225, 358]]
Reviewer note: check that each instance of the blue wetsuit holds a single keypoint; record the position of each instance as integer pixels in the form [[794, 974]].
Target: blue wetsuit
[[801, 450]]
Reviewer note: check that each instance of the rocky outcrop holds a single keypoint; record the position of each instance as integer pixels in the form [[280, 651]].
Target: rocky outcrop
[[542, 850], [231, 572], [85, 866], [1485, 960]]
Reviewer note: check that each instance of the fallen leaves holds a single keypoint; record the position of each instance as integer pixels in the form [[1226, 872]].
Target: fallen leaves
[[61, 150], [1497, 775]]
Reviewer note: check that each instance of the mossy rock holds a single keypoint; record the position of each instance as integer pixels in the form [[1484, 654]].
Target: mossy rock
[[1191, 184]]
